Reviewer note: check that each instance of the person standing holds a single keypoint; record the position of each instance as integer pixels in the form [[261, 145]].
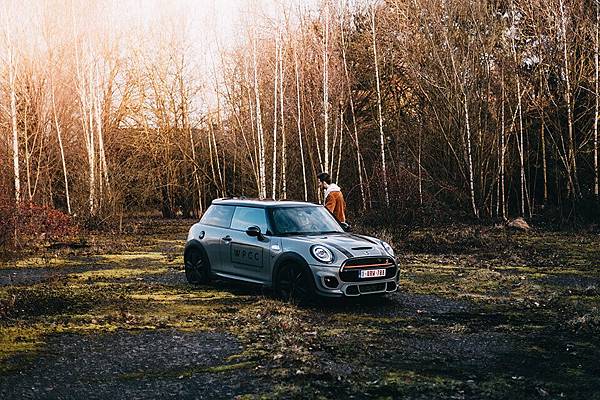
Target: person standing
[[334, 199]]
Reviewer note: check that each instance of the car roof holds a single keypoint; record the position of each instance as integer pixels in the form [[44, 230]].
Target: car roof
[[235, 201]]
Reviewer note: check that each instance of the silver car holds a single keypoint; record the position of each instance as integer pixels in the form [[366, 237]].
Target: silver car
[[297, 248]]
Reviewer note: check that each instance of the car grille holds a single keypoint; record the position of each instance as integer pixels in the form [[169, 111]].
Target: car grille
[[349, 272], [372, 287]]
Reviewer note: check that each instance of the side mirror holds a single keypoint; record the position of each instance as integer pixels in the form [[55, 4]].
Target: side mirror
[[346, 227], [254, 231]]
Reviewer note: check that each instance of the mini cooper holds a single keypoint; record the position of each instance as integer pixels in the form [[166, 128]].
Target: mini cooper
[[299, 249]]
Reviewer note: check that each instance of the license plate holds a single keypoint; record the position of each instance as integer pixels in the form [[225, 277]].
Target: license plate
[[371, 273]]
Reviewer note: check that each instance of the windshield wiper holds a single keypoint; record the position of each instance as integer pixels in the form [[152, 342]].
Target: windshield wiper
[[308, 233], [293, 233]]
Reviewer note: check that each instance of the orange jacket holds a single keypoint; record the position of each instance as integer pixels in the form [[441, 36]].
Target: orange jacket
[[336, 204]]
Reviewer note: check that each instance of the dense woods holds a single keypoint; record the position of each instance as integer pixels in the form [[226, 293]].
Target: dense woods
[[484, 109]]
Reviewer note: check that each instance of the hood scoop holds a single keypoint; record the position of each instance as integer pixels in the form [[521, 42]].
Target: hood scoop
[[361, 248]]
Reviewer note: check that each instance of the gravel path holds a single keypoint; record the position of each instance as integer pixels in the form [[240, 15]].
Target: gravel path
[[32, 276], [131, 365]]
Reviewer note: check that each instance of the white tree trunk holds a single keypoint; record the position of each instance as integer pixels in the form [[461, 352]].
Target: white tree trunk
[[354, 124], [469, 156], [316, 134], [259, 129], [283, 138], [83, 84], [597, 108], [419, 150], [97, 101], [61, 147], [220, 169], [255, 162], [211, 155], [188, 128], [299, 111], [521, 144], [568, 98], [339, 161], [332, 147], [544, 162], [381, 136], [326, 86], [12, 82], [502, 154], [27, 153], [275, 117], [520, 137]]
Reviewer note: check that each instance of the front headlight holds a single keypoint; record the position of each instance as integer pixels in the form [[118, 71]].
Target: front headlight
[[388, 248], [322, 254]]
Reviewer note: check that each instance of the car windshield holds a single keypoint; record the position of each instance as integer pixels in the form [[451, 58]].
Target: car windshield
[[303, 220]]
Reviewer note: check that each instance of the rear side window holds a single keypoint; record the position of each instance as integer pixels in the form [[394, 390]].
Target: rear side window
[[218, 216], [246, 217]]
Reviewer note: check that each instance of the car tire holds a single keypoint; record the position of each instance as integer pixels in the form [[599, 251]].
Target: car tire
[[197, 268], [295, 284]]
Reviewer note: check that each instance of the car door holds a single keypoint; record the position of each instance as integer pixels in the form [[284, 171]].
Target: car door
[[248, 256], [215, 226]]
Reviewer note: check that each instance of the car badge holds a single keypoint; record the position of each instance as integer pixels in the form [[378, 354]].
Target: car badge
[[366, 251]]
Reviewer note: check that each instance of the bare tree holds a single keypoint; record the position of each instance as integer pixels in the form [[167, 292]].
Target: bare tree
[[380, 118], [275, 115], [597, 97], [299, 126], [352, 110], [60, 145], [326, 85], [259, 128], [283, 138], [12, 88], [572, 171]]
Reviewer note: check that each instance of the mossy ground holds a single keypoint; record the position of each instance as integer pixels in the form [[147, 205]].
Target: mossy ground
[[481, 313]]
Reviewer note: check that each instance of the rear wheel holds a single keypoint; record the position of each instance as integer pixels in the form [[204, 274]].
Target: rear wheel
[[295, 284], [197, 269]]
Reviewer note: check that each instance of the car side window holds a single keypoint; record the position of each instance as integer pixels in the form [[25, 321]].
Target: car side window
[[218, 216], [245, 217]]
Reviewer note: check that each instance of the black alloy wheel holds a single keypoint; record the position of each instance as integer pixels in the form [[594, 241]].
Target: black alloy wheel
[[196, 267], [295, 284]]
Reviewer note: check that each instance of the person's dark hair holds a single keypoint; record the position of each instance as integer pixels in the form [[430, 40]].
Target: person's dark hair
[[324, 177]]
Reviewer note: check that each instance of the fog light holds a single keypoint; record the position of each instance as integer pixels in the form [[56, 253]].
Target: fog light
[[391, 286], [352, 290], [330, 282]]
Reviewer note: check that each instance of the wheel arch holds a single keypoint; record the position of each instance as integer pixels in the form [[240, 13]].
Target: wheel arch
[[192, 245], [288, 257]]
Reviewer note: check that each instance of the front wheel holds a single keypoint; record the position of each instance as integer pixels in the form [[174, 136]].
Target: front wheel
[[197, 270], [295, 284]]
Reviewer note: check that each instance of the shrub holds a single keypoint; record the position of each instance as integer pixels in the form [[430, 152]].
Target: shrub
[[33, 224]]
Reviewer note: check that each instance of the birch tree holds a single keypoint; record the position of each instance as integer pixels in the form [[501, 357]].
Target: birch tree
[[299, 124], [12, 66], [275, 115], [283, 137], [259, 129], [326, 86], [352, 110], [380, 118], [61, 147], [597, 96]]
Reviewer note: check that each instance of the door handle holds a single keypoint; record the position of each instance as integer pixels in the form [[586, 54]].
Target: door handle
[[226, 239]]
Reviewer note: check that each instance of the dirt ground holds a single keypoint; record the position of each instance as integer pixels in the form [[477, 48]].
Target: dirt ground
[[482, 313]]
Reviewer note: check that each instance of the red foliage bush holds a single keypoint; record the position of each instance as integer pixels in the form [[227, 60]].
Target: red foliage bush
[[29, 223]]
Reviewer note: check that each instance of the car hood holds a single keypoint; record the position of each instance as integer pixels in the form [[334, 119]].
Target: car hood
[[348, 244]]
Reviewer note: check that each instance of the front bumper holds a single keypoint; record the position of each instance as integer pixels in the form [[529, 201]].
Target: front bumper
[[323, 281]]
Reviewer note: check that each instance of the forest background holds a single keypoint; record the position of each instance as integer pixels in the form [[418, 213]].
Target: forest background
[[423, 111]]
